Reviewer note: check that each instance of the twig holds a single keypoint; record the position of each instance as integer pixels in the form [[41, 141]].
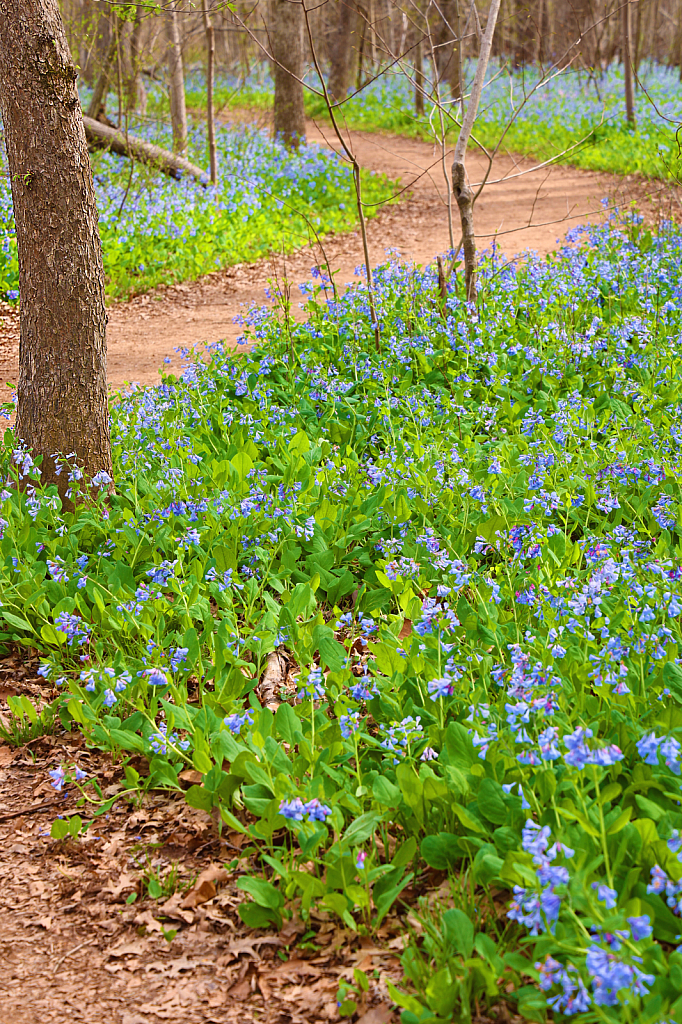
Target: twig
[[27, 810], [88, 942]]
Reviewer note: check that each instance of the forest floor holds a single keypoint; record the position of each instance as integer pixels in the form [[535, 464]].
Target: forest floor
[[523, 207], [80, 938]]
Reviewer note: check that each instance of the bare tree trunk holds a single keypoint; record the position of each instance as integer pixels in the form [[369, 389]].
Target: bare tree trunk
[[461, 188], [137, 94], [340, 49], [98, 100], [286, 41], [454, 67], [626, 31], [176, 74], [539, 54], [210, 114], [419, 79], [62, 391]]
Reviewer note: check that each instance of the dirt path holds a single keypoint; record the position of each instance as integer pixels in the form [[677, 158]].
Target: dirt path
[[526, 208]]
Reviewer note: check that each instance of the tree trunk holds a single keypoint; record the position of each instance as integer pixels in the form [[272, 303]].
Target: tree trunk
[[102, 136], [176, 75], [418, 80], [454, 65], [626, 30], [98, 100], [460, 180], [340, 49], [210, 114], [286, 40], [62, 391], [137, 94]]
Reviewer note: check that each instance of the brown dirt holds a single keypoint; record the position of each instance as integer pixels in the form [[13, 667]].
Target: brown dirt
[[523, 207]]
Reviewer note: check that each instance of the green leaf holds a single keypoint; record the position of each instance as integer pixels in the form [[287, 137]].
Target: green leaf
[[491, 803], [333, 654], [620, 822], [385, 900], [385, 793], [405, 1000], [17, 621], [255, 916], [442, 992], [441, 851], [50, 635], [127, 740], [60, 828], [202, 762], [361, 829], [200, 798], [287, 723], [672, 677], [263, 893], [243, 464]]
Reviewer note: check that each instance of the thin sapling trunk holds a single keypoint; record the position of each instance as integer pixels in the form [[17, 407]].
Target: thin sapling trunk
[[461, 188]]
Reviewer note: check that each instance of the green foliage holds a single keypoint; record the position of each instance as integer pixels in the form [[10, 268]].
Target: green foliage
[[26, 722], [467, 542]]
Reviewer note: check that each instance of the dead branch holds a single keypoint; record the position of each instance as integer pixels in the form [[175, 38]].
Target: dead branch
[[101, 136], [273, 680]]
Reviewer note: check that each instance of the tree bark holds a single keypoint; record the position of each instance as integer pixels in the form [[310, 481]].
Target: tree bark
[[340, 49], [419, 79], [176, 75], [286, 41], [62, 391], [137, 94], [210, 114], [102, 136], [98, 100], [626, 30]]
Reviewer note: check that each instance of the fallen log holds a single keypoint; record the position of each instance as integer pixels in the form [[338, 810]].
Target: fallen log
[[102, 136]]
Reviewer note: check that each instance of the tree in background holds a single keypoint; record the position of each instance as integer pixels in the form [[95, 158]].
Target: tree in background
[[176, 81], [286, 45], [626, 15], [210, 73], [136, 92], [98, 100], [62, 391], [341, 51], [461, 187]]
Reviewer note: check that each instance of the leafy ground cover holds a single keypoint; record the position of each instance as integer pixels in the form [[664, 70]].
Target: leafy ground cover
[[409, 607], [156, 230], [547, 118]]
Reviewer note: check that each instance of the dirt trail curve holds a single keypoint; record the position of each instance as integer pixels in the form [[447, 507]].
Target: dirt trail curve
[[526, 208]]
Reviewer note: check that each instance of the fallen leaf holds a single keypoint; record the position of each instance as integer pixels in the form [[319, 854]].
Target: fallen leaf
[[380, 1014], [125, 881], [6, 755], [205, 887], [147, 920], [174, 908], [45, 922], [129, 948], [192, 776], [36, 887], [241, 991]]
